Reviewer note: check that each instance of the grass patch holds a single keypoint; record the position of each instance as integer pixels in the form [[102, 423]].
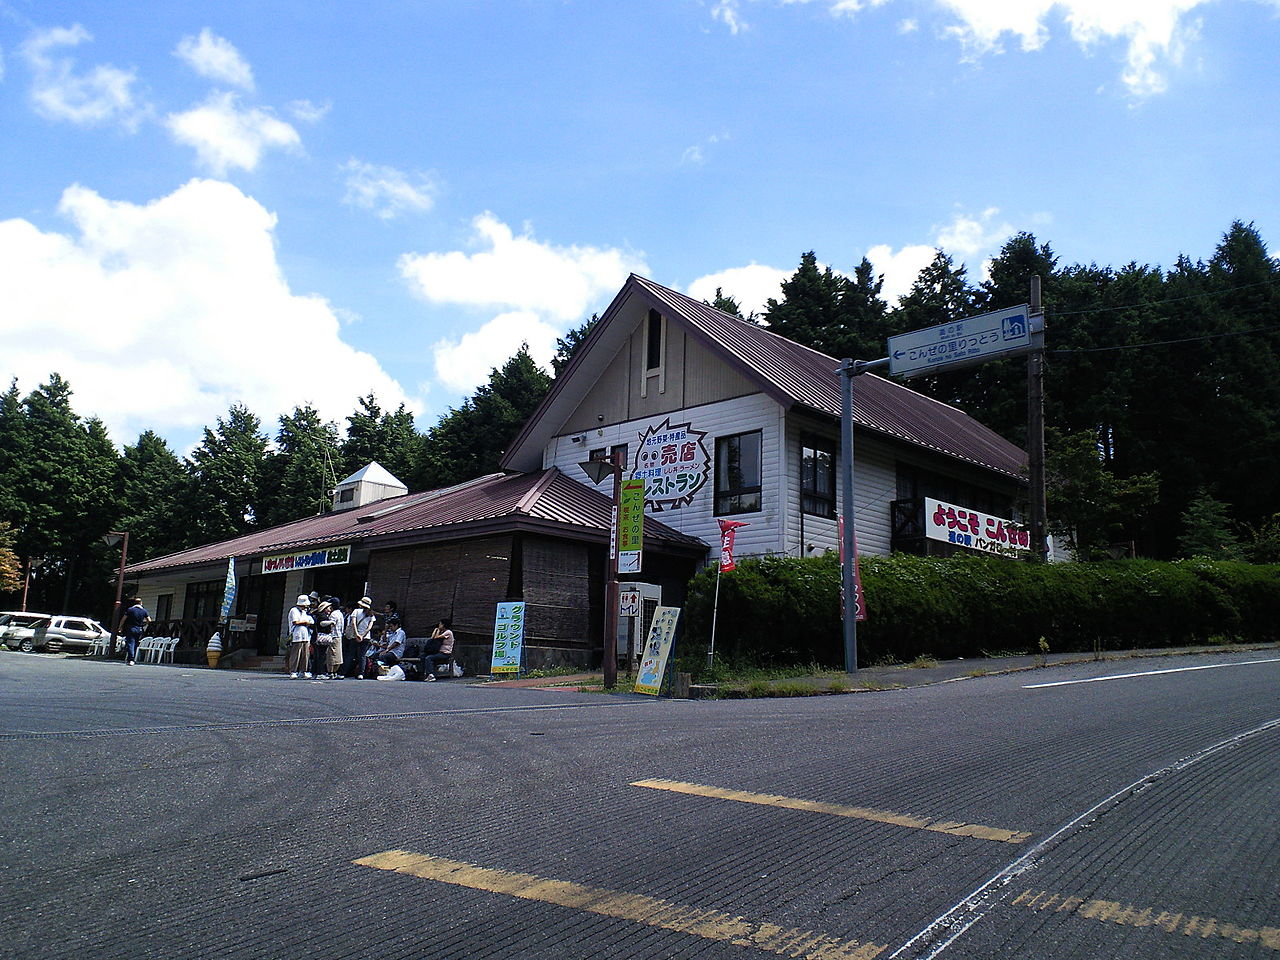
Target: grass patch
[[923, 661]]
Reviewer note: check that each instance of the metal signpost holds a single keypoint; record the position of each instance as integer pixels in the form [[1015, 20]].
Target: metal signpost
[[1011, 332]]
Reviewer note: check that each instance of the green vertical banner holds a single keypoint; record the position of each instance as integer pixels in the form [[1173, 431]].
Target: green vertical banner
[[656, 650], [631, 525], [508, 638]]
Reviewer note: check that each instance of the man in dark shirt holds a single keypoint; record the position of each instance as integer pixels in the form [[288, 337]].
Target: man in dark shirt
[[133, 624]]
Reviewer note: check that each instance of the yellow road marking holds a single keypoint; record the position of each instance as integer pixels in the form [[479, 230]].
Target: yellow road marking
[[1128, 915], [839, 810], [708, 924]]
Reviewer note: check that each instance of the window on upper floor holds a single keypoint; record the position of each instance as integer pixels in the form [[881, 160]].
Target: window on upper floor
[[739, 477], [818, 477], [653, 341]]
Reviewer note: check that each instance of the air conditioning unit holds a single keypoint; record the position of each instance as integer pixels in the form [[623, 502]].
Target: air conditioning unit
[[636, 605]]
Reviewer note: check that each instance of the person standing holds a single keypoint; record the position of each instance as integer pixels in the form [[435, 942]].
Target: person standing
[[300, 622], [362, 635], [443, 634], [333, 662], [323, 640], [133, 624]]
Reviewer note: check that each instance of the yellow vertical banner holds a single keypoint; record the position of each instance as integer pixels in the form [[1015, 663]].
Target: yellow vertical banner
[[631, 525]]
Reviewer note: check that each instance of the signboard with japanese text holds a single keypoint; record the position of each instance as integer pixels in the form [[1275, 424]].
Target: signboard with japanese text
[[508, 638], [305, 559], [653, 662], [629, 602], [962, 343], [978, 531], [631, 524], [675, 462]]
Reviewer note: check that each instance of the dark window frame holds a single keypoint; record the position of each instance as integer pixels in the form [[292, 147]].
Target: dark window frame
[[735, 495], [813, 499], [203, 600], [653, 342]]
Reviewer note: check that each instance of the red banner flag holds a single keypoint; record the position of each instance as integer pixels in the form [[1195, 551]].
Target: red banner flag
[[727, 530]]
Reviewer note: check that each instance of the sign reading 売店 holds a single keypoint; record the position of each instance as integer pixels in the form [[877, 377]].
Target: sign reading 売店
[[321, 557]]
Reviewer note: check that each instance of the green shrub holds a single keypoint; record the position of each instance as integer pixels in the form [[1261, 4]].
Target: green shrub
[[780, 611]]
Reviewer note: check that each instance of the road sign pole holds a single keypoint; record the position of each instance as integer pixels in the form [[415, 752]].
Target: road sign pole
[[1035, 435], [847, 370]]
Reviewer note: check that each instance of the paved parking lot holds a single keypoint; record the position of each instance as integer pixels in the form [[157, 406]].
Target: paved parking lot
[[164, 811]]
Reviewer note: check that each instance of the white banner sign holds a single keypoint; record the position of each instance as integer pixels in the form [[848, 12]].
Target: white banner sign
[[320, 557], [977, 531]]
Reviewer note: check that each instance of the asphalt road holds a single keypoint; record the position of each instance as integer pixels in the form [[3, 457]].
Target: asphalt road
[[171, 812]]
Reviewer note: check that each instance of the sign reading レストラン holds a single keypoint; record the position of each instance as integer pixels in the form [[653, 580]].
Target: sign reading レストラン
[[676, 463], [1001, 333], [977, 531], [324, 557]]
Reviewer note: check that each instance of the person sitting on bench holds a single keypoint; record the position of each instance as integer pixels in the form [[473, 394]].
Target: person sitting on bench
[[441, 645]]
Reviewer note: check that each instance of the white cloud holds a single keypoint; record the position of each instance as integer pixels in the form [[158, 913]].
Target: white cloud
[[305, 111], [752, 286], [216, 59], [387, 191], [1155, 32], [537, 289], [465, 363], [728, 13], [101, 95], [966, 236], [696, 154], [967, 239], [163, 315], [519, 273], [899, 269], [226, 135]]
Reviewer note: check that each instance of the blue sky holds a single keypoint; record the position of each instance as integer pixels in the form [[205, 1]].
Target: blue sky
[[277, 202]]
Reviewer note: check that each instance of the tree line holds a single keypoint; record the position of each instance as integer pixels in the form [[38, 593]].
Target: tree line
[[64, 485]]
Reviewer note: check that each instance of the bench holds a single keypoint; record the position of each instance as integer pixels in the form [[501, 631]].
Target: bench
[[444, 671]]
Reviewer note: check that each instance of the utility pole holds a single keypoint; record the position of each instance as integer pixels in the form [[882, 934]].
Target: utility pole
[[1035, 433]]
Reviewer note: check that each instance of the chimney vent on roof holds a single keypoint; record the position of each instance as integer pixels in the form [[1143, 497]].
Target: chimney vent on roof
[[367, 485]]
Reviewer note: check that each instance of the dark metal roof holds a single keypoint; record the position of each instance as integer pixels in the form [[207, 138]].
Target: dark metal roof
[[547, 497], [794, 374]]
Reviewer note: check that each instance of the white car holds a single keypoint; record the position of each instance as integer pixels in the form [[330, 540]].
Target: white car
[[41, 631]]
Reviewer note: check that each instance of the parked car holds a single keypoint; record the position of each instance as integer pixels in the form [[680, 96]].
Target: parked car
[[28, 632], [70, 633], [77, 633]]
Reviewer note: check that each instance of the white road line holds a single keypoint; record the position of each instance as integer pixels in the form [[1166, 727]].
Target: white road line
[[1146, 673], [950, 926]]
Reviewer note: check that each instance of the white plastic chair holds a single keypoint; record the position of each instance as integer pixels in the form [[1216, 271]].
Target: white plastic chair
[[167, 647]]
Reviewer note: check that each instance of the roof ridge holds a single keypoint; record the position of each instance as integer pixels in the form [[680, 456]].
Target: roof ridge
[[415, 499], [537, 490]]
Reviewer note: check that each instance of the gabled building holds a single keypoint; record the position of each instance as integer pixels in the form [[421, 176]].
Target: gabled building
[[722, 418], [726, 419]]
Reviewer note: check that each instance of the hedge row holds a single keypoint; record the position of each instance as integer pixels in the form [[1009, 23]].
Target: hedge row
[[786, 610]]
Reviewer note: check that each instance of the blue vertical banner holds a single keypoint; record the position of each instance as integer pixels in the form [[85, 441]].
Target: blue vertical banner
[[508, 638], [229, 590]]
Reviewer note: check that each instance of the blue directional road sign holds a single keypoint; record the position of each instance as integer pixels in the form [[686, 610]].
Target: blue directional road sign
[[1002, 333]]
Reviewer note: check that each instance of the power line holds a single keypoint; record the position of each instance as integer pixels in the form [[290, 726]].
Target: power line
[[1165, 343]]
